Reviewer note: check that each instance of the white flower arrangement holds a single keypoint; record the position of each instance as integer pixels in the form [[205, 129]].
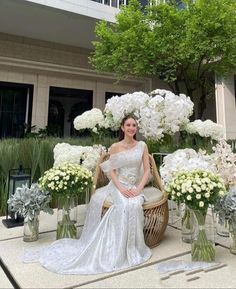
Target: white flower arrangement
[[197, 189], [66, 179], [165, 113], [188, 159], [87, 156], [117, 107], [225, 161], [92, 119], [206, 128], [160, 113], [29, 201]]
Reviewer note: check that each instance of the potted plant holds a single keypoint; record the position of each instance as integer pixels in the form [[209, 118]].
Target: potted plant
[[28, 202]]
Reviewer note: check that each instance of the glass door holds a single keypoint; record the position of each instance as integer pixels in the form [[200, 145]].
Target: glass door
[[15, 109]]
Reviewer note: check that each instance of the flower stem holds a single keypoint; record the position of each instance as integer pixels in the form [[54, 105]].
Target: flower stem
[[202, 248]]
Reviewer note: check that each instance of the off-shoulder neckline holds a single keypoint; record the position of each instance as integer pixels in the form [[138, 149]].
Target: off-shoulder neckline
[[127, 150]]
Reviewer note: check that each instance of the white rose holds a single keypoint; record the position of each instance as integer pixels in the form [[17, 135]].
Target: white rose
[[189, 198]]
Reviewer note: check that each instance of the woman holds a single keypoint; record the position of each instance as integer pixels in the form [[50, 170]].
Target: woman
[[116, 241]]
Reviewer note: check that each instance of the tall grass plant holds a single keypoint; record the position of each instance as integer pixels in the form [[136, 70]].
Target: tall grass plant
[[34, 153]]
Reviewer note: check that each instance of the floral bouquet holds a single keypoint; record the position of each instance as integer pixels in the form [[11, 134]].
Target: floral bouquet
[[67, 181], [30, 201], [198, 189]]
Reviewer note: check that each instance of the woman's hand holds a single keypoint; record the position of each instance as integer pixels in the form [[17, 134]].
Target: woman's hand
[[125, 192], [130, 193], [134, 192]]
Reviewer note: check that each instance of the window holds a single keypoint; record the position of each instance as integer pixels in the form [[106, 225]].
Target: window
[[15, 109], [64, 105]]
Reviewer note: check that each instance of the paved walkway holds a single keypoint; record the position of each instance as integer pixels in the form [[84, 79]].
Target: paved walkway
[[15, 274]]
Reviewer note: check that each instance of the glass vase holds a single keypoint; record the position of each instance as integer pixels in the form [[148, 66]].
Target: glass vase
[[174, 213], [187, 225], [232, 236], [222, 226], [67, 217], [31, 229], [203, 242]]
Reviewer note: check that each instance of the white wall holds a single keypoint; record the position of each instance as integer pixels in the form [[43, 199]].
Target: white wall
[[225, 105], [83, 7]]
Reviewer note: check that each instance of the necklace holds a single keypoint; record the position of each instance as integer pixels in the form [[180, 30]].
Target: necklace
[[128, 145]]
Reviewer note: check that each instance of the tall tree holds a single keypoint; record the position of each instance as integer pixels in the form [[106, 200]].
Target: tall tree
[[184, 47]]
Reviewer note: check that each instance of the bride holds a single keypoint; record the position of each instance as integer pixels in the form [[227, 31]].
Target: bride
[[116, 240]]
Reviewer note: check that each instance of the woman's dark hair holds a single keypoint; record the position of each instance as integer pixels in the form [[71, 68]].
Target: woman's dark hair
[[121, 133]]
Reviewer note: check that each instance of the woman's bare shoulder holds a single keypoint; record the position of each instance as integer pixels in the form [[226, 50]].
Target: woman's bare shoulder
[[115, 148]]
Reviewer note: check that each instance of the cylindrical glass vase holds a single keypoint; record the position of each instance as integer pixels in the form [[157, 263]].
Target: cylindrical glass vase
[[67, 217], [232, 237], [31, 229], [186, 225], [203, 243], [222, 226], [174, 212]]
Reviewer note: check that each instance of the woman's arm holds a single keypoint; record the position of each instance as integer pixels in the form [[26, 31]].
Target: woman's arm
[[146, 174]]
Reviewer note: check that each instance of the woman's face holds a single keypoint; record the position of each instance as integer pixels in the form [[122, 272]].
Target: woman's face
[[130, 127]]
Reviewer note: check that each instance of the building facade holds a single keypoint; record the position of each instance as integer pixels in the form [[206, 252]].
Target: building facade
[[45, 75]]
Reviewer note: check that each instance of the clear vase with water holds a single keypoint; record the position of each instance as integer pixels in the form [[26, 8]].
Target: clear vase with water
[[31, 228], [67, 217]]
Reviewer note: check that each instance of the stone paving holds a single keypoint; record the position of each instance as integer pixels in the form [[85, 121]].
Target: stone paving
[[20, 275]]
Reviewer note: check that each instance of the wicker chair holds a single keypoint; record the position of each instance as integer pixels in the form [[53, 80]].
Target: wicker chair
[[155, 214]]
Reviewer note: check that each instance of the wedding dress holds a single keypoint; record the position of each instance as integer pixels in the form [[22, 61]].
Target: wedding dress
[[110, 243]]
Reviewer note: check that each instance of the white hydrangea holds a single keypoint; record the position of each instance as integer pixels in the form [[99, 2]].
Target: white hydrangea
[[118, 107], [87, 156], [206, 128], [184, 159], [89, 119]]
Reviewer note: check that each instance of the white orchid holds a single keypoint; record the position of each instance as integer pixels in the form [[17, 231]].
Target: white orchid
[[165, 113]]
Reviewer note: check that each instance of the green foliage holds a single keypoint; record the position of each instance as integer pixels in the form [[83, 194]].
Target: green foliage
[[34, 153], [184, 47]]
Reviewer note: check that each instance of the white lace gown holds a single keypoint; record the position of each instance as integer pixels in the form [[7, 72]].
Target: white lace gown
[[107, 244]]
